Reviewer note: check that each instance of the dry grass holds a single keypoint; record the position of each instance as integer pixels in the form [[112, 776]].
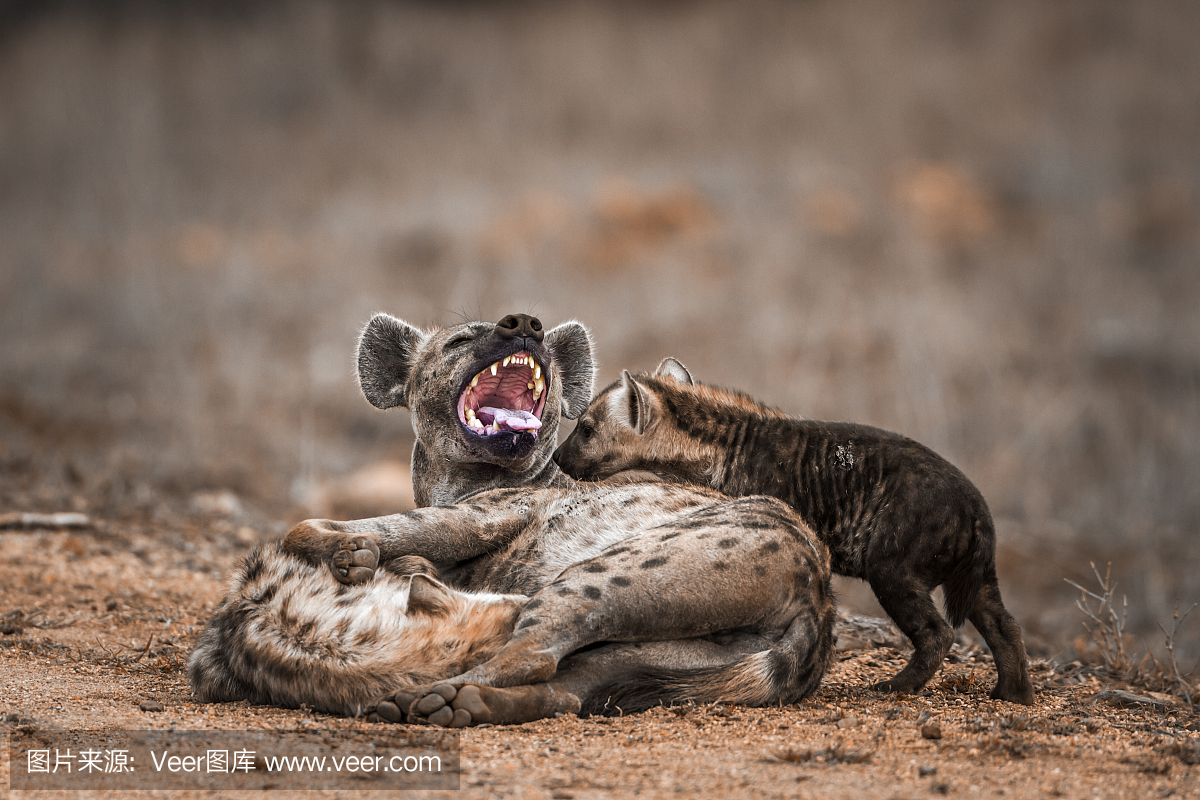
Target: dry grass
[[1110, 641]]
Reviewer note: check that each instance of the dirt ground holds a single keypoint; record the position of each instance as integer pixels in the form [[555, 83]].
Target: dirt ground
[[101, 621], [973, 223]]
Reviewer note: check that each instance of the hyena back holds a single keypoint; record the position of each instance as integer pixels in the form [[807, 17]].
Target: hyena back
[[890, 510]]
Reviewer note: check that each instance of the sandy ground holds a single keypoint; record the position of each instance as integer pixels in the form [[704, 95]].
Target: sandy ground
[[974, 223], [100, 621]]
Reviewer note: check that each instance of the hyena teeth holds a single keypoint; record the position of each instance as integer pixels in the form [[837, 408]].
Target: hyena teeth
[[529, 385], [507, 360], [537, 371], [470, 414], [475, 381], [495, 366], [538, 386], [475, 423]]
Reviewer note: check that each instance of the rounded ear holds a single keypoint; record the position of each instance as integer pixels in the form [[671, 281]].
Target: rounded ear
[[638, 400], [385, 353], [429, 596], [673, 368], [571, 345]]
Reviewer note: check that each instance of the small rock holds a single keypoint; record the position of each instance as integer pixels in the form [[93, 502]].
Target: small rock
[[150, 705], [931, 731], [925, 771], [561, 795], [1123, 699], [942, 788], [848, 722], [14, 718]]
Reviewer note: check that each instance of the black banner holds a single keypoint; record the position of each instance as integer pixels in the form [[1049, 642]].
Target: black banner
[[390, 758]]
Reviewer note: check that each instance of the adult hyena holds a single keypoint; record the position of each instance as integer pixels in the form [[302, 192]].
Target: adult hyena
[[685, 593], [891, 510]]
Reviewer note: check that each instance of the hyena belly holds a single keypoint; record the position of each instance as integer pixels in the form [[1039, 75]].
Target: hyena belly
[[891, 511], [288, 634]]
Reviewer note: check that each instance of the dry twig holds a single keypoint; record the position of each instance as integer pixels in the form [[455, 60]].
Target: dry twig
[[1107, 629]]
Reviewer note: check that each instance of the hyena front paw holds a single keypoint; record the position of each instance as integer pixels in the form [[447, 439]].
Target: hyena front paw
[[356, 560]]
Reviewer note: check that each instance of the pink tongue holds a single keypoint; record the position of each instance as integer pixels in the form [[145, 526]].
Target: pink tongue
[[506, 419]]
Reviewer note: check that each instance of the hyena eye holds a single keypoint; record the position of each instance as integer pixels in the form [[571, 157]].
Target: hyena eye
[[585, 430], [460, 340]]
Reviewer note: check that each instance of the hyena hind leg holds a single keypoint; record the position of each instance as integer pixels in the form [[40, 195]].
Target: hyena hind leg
[[909, 605], [1003, 636], [601, 680]]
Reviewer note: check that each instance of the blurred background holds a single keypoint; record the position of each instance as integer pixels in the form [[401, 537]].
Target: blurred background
[[974, 223]]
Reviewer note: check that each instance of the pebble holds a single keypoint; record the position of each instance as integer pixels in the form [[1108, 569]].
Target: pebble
[[931, 731], [150, 705]]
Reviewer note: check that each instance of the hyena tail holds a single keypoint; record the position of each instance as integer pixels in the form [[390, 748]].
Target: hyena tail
[[791, 670], [971, 572]]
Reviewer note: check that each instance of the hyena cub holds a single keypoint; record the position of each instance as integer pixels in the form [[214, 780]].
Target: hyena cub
[[891, 511], [335, 647]]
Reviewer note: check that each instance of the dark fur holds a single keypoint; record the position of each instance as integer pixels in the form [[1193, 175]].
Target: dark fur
[[891, 511], [675, 593]]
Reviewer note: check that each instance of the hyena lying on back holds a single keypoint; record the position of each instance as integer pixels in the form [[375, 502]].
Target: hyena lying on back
[[684, 593], [891, 510]]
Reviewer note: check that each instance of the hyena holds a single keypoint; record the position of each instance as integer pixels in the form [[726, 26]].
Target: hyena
[[677, 593], [891, 511], [328, 645]]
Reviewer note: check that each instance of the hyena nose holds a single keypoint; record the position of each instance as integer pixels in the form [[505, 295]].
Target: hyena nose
[[520, 325]]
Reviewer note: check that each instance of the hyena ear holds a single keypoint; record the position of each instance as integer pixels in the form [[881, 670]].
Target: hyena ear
[[571, 344], [427, 596], [673, 368], [385, 353], [637, 397]]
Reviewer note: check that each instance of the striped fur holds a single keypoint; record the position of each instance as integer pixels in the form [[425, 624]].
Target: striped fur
[[667, 592], [288, 634], [891, 511]]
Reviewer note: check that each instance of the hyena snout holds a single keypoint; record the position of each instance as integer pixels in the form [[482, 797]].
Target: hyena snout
[[522, 326]]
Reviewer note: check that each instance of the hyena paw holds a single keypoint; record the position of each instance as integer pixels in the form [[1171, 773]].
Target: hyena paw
[[355, 561], [898, 685], [447, 706], [393, 708], [1020, 693]]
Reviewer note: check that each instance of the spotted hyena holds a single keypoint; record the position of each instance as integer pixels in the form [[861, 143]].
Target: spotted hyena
[[891, 511], [637, 593]]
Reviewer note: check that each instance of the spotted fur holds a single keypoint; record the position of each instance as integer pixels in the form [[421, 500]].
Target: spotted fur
[[640, 593], [891, 511], [335, 647]]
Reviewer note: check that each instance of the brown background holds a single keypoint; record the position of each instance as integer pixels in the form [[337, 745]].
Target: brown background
[[974, 223]]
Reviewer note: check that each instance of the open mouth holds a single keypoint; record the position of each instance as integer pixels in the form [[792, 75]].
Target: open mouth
[[506, 397]]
